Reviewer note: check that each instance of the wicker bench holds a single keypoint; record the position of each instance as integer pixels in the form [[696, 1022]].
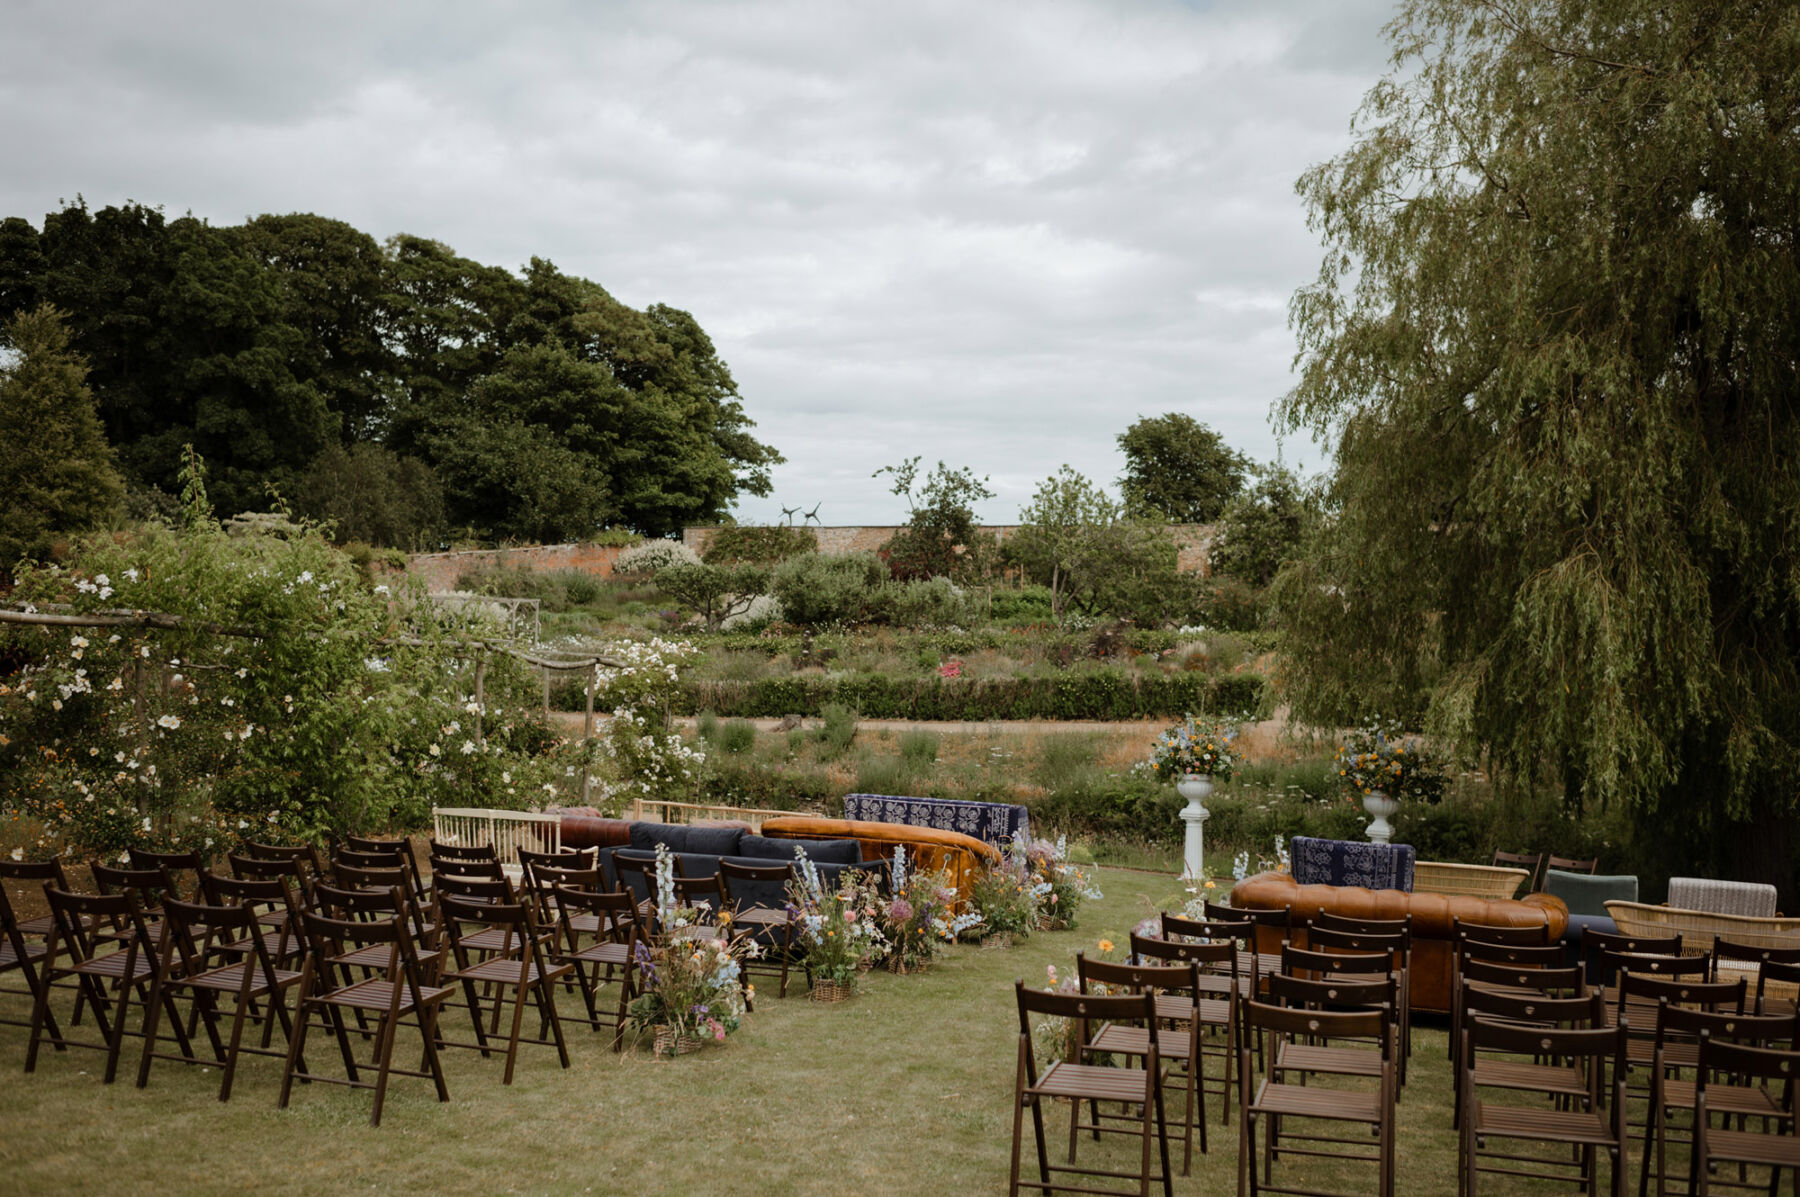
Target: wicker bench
[[1467, 880], [1698, 929]]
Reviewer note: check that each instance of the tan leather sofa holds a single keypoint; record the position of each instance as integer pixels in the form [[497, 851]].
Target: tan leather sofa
[[1431, 916]]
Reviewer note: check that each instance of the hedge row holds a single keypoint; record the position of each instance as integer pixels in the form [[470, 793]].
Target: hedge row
[[1106, 696]]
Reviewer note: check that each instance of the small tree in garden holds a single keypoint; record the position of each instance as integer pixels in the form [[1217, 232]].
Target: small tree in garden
[[649, 759], [1179, 469], [1090, 552], [940, 537], [276, 694], [716, 592]]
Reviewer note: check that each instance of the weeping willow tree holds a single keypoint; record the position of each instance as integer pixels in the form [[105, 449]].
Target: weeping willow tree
[[1553, 347]]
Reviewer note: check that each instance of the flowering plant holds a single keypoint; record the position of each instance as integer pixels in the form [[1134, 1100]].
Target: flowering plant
[[691, 985], [1190, 747], [1006, 895], [920, 914], [1373, 758], [1058, 1038], [839, 927], [1060, 884]]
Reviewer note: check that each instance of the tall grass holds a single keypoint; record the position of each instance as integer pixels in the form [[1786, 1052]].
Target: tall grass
[[919, 747]]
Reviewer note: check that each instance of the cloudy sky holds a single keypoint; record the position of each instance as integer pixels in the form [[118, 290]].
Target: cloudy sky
[[993, 233]]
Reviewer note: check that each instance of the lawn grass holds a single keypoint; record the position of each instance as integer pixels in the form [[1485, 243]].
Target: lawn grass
[[903, 1090]]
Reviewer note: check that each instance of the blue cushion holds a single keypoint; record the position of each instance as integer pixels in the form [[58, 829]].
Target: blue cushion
[[718, 841], [1352, 862], [646, 835], [819, 851]]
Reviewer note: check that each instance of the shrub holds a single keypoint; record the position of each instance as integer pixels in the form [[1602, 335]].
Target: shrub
[[646, 557], [763, 610], [707, 725], [839, 730], [815, 588], [919, 746], [737, 737], [737, 544], [1027, 604], [1229, 603], [931, 603]]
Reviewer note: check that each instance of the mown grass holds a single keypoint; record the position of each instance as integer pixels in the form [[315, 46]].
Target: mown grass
[[906, 1089]]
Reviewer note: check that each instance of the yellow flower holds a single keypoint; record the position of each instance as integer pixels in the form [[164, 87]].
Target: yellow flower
[[1105, 945], [1211, 884]]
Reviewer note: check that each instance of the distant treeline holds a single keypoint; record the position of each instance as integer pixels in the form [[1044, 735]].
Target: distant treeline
[[395, 387]]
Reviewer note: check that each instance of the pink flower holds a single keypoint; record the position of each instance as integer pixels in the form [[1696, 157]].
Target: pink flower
[[849, 916]]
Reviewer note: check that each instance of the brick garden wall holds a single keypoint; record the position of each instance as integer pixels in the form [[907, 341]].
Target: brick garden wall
[[439, 571], [1191, 540]]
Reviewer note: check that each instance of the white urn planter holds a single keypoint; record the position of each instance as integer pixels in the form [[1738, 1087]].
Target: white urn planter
[[1379, 805], [1196, 788]]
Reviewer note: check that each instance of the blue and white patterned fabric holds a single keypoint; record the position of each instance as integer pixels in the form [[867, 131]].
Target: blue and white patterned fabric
[[993, 822], [1352, 862]]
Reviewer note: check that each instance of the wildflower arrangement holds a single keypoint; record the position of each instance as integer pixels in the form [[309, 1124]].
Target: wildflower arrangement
[[1373, 758], [1007, 896], [918, 915], [840, 927], [1061, 883], [692, 986], [1059, 1038], [1195, 747]]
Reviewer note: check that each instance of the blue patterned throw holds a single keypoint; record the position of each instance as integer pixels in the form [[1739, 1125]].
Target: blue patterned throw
[[1352, 862], [992, 822]]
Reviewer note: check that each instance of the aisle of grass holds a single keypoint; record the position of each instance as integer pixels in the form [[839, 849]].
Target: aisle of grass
[[903, 1090]]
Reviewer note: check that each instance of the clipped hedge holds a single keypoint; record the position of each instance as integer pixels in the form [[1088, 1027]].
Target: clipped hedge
[[1107, 696]]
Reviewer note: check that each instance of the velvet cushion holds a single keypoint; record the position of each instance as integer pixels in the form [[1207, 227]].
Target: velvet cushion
[[1588, 894], [819, 851], [716, 841], [646, 835]]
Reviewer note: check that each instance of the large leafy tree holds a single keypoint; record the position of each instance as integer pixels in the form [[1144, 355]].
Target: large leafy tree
[[1554, 339], [1178, 468], [56, 471]]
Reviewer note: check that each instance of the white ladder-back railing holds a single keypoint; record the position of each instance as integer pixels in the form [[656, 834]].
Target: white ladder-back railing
[[506, 831], [656, 810]]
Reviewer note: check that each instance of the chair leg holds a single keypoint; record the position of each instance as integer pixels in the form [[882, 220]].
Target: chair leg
[[384, 1058], [296, 1042]]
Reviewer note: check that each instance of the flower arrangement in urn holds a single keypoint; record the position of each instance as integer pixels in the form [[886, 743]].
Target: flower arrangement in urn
[[1376, 759], [1204, 746]]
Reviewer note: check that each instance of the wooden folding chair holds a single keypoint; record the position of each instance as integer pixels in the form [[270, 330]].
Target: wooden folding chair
[[25, 956], [612, 957], [189, 932], [1749, 960], [107, 979], [149, 886], [1178, 928], [1670, 1092], [400, 846], [1772, 1150], [1223, 990], [1278, 923], [304, 855], [770, 926], [395, 994], [519, 965], [1594, 944], [1397, 947], [1176, 991], [1529, 861], [1574, 864], [1284, 1095], [1592, 1122], [1523, 1010], [1077, 1082]]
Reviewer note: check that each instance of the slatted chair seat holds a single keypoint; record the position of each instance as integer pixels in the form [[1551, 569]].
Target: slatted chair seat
[[604, 953], [377, 993], [508, 971], [1555, 1126], [1337, 1061], [1135, 1041], [1749, 1100], [1521, 1074], [1085, 1081], [114, 966], [9, 959], [1749, 1147], [376, 955], [230, 977], [1316, 1101]]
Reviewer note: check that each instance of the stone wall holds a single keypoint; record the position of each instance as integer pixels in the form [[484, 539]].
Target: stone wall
[[439, 571], [1191, 540]]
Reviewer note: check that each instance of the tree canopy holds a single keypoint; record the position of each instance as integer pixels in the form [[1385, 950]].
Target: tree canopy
[[1179, 469], [1553, 341], [542, 406]]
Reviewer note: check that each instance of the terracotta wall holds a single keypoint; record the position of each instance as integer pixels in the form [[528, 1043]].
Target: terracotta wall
[[1191, 540]]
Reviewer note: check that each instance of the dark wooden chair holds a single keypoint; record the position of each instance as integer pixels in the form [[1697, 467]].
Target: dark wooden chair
[[772, 928], [304, 855], [440, 851], [400, 845], [1532, 933], [1757, 958], [1222, 992], [1595, 943], [36, 874], [148, 886], [1176, 991], [1774, 1150], [1284, 1096], [177, 866], [1313, 1055], [519, 965], [189, 932], [25, 955], [1397, 947], [1785, 975], [1537, 1075], [393, 996], [108, 979], [1180, 929], [1279, 922], [1590, 1123], [1531, 862], [1573, 864], [1077, 1082], [612, 957], [1677, 1026]]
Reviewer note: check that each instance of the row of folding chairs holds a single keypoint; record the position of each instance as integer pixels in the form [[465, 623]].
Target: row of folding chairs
[[358, 947], [1678, 1034]]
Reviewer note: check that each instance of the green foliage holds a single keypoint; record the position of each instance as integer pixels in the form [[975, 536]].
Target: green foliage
[[821, 588], [1026, 604], [738, 544], [736, 736], [1228, 603], [57, 470], [1081, 544], [940, 537], [1552, 341], [707, 725], [1262, 527], [924, 603], [1105, 695], [1177, 468], [343, 713], [838, 731], [368, 493], [556, 589], [717, 592], [648, 759], [919, 746]]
